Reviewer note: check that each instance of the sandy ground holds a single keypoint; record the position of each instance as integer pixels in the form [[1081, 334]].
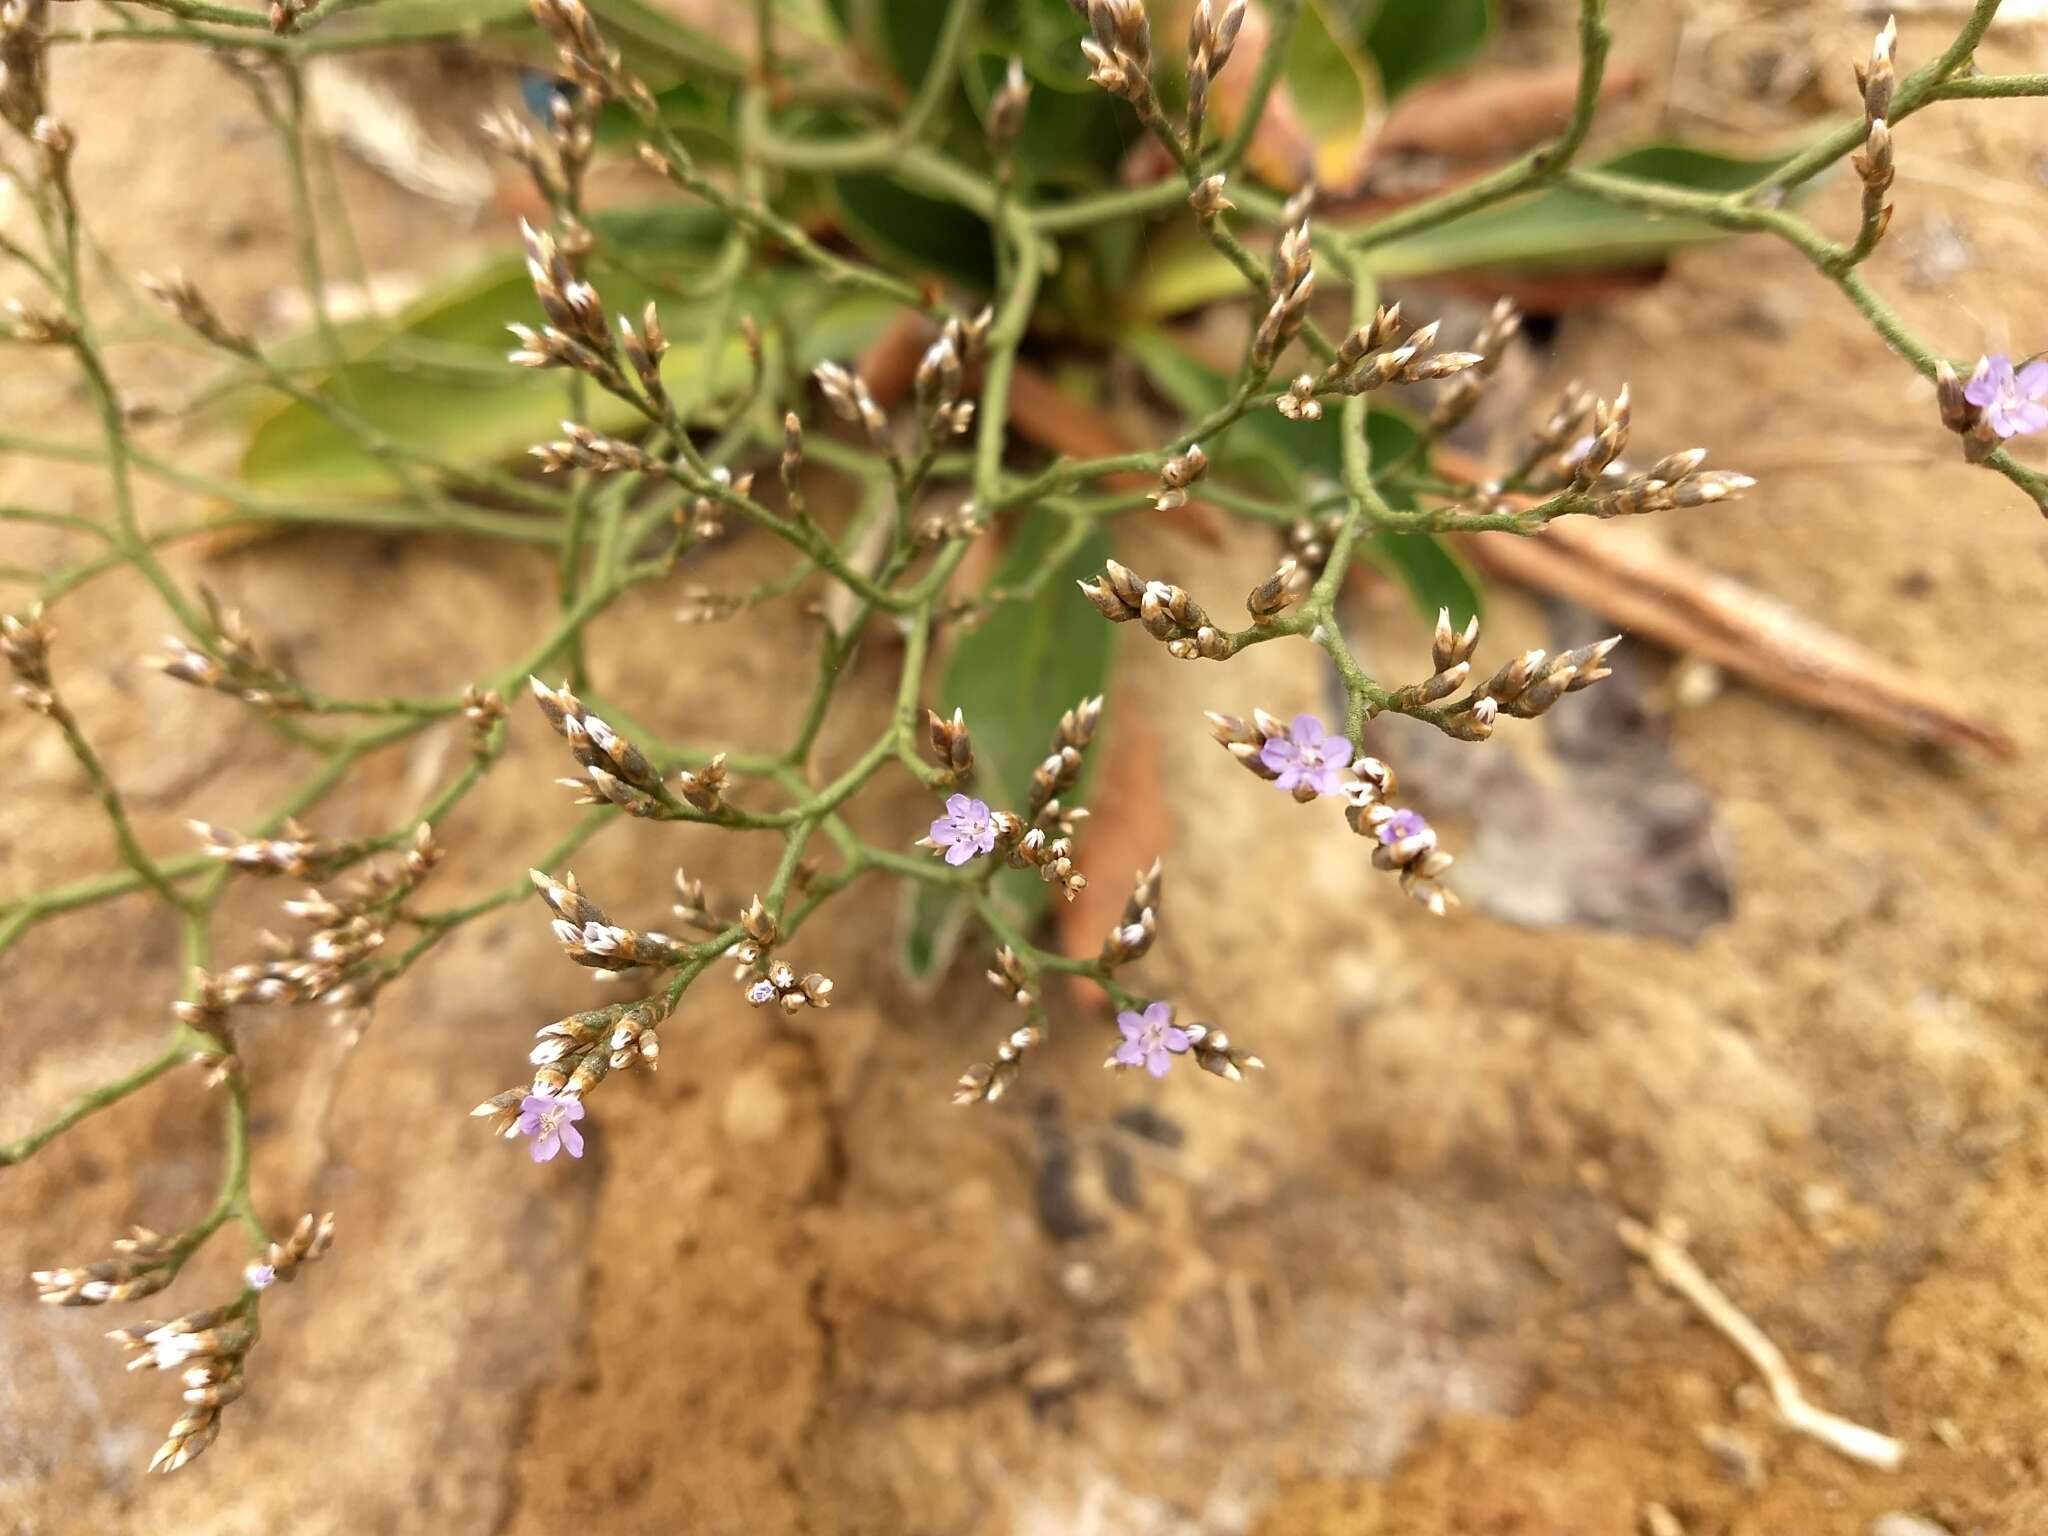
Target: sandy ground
[[791, 1290]]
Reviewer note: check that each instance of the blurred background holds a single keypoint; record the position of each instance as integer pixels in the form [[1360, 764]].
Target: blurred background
[[1725, 959]]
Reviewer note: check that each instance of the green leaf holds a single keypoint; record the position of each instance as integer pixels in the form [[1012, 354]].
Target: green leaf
[[899, 34], [1556, 229], [1336, 94], [1028, 662], [912, 232], [1074, 135], [440, 383], [1414, 39], [1561, 227], [1283, 454]]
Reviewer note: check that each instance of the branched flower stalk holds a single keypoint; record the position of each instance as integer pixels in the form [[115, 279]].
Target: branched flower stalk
[[618, 507]]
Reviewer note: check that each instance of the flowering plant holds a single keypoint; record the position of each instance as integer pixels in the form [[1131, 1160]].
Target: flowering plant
[[666, 450]]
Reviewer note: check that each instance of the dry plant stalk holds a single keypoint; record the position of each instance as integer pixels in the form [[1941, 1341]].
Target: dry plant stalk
[[659, 453]]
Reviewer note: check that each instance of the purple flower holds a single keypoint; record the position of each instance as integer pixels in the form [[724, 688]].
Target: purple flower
[[1149, 1037], [551, 1122], [1307, 755], [260, 1277], [1401, 826], [2011, 402], [965, 830]]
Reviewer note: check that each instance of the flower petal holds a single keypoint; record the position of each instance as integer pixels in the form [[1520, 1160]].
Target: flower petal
[[945, 832], [960, 853], [1278, 752], [977, 810], [1159, 1014], [956, 805], [572, 1139], [572, 1109], [2032, 380], [1290, 776], [1130, 1054], [1157, 1063], [1130, 1024], [1337, 751], [1306, 730], [545, 1147], [1174, 1038]]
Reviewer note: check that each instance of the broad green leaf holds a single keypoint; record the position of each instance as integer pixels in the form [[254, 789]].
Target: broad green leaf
[[1335, 93], [909, 231], [1558, 228], [1411, 40], [1014, 675], [479, 410], [899, 34], [1562, 227], [1287, 456]]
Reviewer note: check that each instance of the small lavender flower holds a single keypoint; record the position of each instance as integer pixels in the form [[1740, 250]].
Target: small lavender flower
[[967, 829], [1307, 754], [2011, 402], [1401, 826], [551, 1122], [1151, 1039], [260, 1277]]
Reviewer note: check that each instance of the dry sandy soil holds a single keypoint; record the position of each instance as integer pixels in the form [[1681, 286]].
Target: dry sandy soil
[[1378, 1292]]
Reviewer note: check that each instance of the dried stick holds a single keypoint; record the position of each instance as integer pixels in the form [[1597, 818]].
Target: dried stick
[[1674, 1267]]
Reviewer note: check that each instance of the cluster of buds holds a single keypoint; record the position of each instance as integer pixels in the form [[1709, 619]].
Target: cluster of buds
[[579, 447], [1458, 402], [144, 1263], [570, 1055], [1876, 80], [1546, 457], [1119, 53], [1052, 857], [25, 644], [1592, 466], [1310, 539], [1450, 655], [851, 400], [693, 906], [181, 296], [592, 939], [1290, 287], [37, 326], [1211, 39], [615, 771], [483, 708], [1208, 200], [704, 788], [936, 385], [951, 745], [1379, 353], [704, 514], [235, 664], [1179, 472], [987, 1081], [1167, 612], [207, 1349], [293, 850], [959, 521], [577, 333], [311, 1237], [1135, 930], [327, 965], [1008, 975], [1404, 843], [1060, 770], [768, 980], [205, 1015]]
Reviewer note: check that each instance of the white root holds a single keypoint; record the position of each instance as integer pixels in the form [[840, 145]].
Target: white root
[[1674, 1268]]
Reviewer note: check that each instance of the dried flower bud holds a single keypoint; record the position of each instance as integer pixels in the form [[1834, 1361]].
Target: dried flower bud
[[1006, 109], [1277, 592], [951, 744]]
